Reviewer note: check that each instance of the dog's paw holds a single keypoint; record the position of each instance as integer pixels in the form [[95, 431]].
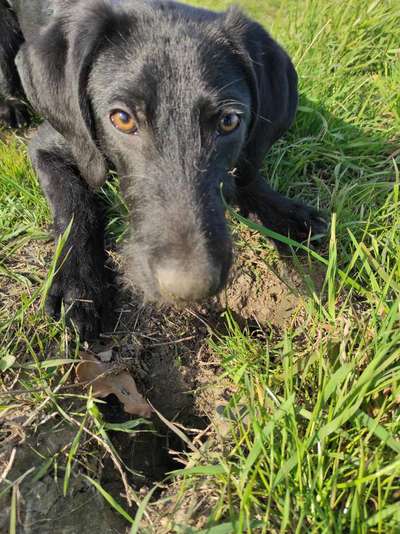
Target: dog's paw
[[82, 305], [14, 113], [294, 219], [304, 222]]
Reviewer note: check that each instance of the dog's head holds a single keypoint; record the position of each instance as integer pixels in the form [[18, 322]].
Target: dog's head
[[176, 99]]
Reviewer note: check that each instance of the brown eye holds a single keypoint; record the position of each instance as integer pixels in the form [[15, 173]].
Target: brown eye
[[123, 121], [228, 123]]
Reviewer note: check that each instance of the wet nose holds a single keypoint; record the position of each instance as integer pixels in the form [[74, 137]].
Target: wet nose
[[178, 282]]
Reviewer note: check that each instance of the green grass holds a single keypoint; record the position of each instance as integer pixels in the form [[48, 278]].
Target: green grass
[[316, 444]]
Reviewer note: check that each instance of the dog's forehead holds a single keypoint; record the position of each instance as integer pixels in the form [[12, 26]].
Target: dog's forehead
[[170, 62]]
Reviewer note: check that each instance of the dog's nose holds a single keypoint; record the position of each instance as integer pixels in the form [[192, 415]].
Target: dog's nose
[[188, 284]]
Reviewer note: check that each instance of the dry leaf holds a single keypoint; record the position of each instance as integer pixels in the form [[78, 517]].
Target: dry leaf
[[105, 381]]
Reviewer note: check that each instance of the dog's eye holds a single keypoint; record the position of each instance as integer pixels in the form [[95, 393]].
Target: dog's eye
[[123, 121], [228, 123]]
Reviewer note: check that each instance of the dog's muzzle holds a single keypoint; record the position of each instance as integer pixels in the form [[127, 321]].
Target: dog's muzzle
[[178, 283]]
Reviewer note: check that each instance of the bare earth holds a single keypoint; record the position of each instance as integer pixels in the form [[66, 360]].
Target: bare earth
[[168, 353]]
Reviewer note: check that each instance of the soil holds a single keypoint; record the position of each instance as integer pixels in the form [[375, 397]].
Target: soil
[[168, 353]]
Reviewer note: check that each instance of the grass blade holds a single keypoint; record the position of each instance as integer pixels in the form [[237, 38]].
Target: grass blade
[[110, 499]]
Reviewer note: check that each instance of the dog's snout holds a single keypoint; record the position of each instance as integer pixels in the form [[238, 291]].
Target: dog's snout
[[178, 282]]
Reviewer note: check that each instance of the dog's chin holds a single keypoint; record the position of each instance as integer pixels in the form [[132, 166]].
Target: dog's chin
[[138, 278], [150, 293], [179, 303]]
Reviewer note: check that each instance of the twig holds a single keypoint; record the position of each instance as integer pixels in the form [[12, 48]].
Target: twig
[[174, 342], [8, 467]]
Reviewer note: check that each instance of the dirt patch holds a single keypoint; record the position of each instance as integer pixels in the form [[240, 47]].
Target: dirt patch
[[265, 287], [168, 353], [41, 505]]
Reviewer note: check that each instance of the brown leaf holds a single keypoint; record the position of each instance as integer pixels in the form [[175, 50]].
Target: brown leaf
[[105, 381]]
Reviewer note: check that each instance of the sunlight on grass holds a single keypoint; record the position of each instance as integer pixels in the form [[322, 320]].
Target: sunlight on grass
[[313, 440]]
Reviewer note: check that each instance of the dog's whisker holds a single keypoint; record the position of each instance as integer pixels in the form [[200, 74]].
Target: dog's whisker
[[265, 119], [224, 87]]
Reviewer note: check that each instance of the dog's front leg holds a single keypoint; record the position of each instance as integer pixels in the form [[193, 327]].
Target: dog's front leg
[[281, 214], [79, 281]]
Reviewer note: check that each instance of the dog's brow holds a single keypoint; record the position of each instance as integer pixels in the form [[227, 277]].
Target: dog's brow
[[220, 89], [133, 97], [232, 102]]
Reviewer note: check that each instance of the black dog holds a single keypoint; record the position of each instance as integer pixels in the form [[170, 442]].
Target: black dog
[[177, 100]]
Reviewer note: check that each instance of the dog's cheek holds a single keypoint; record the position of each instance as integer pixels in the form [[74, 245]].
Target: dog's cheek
[[229, 149]]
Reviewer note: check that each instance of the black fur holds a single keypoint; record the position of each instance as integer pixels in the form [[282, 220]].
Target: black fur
[[13, 111], [176, 69]]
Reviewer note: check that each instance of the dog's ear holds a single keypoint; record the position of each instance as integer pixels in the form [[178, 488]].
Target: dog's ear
[[54, 69], [272, 80]]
